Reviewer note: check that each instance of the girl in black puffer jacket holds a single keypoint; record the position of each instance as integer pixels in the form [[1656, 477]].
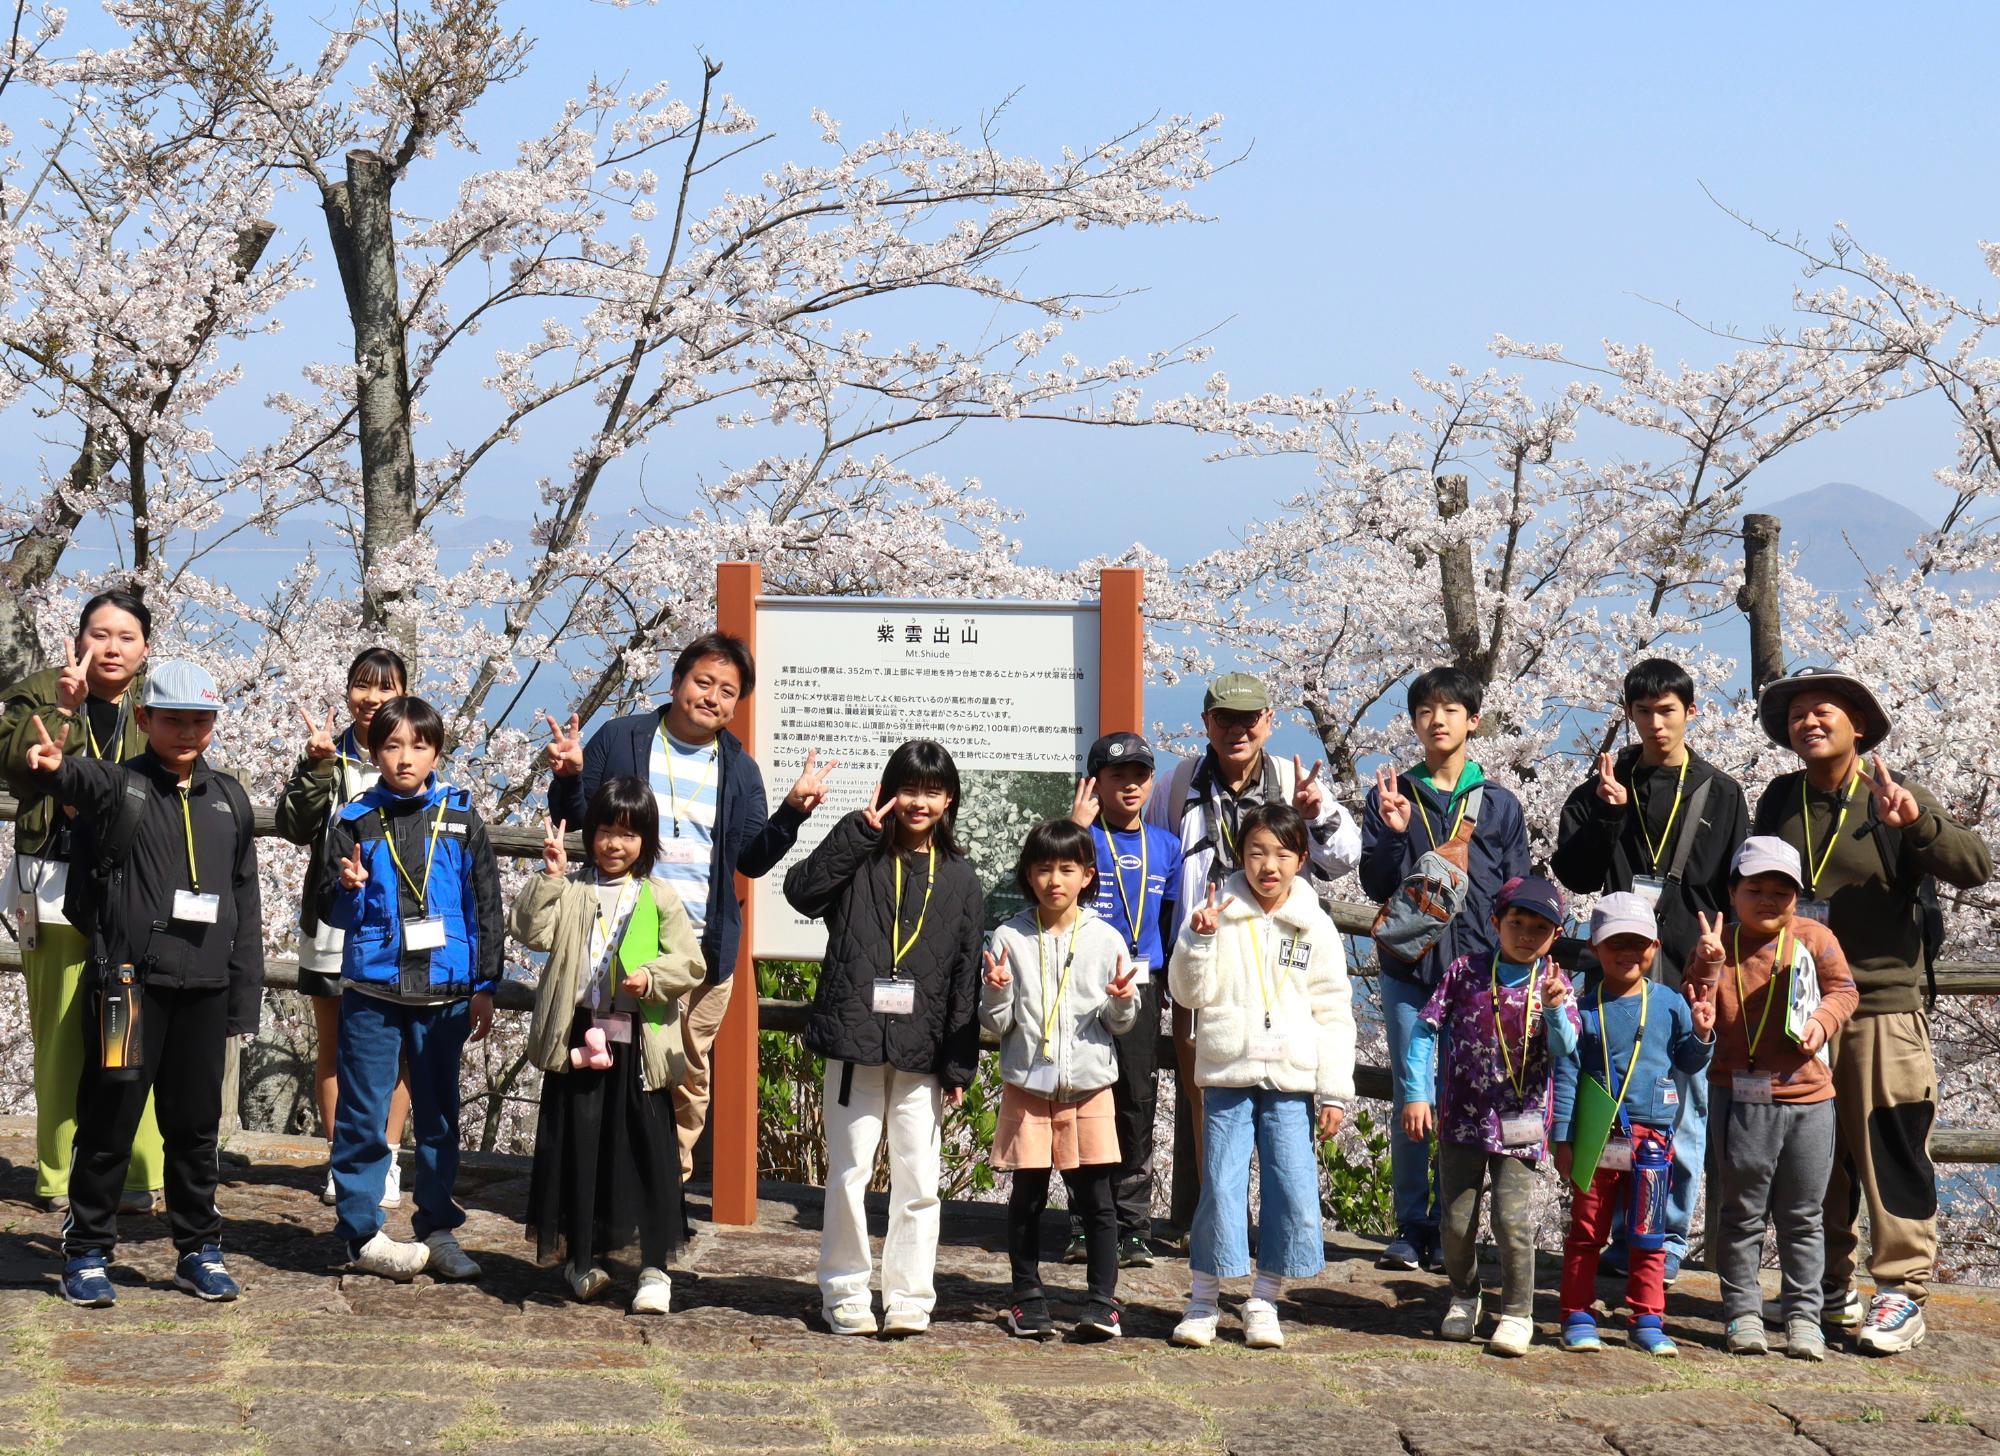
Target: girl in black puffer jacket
[[895, 1017]]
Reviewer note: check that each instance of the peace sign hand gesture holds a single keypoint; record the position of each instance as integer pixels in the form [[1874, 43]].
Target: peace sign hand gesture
[[1309, 798], [565, 750], [555, 856], [1895, 805], [997, 974], [877, 810], [1391, 801], [319, 741], [1083, 808], [45, 755], [1701, 1004], [73, 682], [1555, 988], [1708, 950], [810, 791], [1208, 914], [1608, 788], [353, 873], [1121, 984]]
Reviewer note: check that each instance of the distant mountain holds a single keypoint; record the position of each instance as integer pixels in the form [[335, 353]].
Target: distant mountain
[[1842, 532]]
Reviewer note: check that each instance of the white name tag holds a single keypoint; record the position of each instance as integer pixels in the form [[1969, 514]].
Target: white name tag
[[1818, 910], [1266, 1046], [616, 1027], [1524, 1131], [1649, 888], [1617, 1155], [1042, 1077], [426, 933], [683, 852], [1753, 1088], [194, 909], [894, 997], [1142, 972]]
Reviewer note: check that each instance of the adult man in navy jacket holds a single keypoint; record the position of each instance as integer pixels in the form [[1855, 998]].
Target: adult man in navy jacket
[[714, 824], [1406, 815]]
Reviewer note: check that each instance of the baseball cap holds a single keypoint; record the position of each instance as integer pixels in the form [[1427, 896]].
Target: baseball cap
[[1532, 892], [1623, 914], [1766, 854], [180, 685], [1237, 692], [1117, 748], [1871, 722]]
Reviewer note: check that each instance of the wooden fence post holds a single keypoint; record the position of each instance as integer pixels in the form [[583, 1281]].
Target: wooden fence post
[[1758, 600], [732, 1113]]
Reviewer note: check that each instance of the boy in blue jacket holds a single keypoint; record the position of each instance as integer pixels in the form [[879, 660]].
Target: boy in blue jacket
[[1406, 815], [1635, 1036], [412, 882]]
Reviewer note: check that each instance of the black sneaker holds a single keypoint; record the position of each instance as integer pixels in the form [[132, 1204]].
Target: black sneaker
[[1076, 1251], [1133, 1253], [1029, 1319], [1100, 1321]]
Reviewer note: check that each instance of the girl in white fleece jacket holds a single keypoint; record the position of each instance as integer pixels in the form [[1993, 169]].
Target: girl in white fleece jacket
[[1261, 966]]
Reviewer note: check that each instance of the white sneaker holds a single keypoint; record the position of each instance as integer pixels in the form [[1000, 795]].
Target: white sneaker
[[447, 1259], [392, 1186], [1895, 1323], [850, 1319], [1197, 1327], [1511, 1336], [902, 1320], [329, 1195], [588, 1284], [391, 1258], [1261, 1330], [656, 1292], [1461, 1318]]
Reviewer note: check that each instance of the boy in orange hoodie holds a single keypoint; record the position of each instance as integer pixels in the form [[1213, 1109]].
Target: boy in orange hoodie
[[1782, 989]]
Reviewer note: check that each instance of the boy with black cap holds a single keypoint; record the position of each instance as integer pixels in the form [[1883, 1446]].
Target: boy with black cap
[[1138, 878], [1871, 846], [176, 968]]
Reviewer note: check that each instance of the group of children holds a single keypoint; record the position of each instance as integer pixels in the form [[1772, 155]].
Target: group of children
[[403, 899]]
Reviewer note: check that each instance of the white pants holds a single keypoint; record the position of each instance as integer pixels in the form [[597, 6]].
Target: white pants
[[912, 1106]]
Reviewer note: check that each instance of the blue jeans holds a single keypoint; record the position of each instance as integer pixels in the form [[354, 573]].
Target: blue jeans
[[375, 1035], [1684, 1181], [1291, 1241], [1414, 1189]]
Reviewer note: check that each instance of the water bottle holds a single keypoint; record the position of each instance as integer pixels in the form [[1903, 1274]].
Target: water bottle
[[119, 1050], [1646, 1193]]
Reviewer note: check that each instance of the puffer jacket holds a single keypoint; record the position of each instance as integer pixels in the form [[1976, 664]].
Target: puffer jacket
[[35, 696], [1311, 1001], [1080, 1043], [557, 915], [850, 883]]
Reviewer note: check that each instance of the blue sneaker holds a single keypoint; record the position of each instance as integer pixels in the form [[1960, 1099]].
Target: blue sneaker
[[202, 1275], [1672, 1270], [86, 1281], [1580, 1333], [1647, 1336], [1400, 1253]]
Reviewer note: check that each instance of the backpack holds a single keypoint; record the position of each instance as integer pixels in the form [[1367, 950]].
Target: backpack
[[1922, 891], [1414, 918]]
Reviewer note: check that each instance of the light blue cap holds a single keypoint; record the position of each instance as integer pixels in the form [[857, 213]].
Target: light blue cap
[[180, 685]]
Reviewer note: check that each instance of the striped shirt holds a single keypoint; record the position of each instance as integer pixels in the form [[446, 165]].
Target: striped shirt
[[684, 786]]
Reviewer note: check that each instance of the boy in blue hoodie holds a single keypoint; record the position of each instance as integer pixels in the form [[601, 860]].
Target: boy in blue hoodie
[[1406, 815], [410, 878], [1635, 1036]]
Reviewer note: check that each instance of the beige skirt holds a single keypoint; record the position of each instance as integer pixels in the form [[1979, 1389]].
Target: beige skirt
[[1040, 1132]]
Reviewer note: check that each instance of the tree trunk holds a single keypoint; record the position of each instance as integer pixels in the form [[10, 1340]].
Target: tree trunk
[[361, 227], [1460, 585], [1758, 599]]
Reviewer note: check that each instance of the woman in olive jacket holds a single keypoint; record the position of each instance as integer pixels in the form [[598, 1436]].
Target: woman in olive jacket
[[894, 1015]]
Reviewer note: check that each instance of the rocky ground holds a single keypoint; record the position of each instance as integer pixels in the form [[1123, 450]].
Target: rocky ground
[[314, 1361]]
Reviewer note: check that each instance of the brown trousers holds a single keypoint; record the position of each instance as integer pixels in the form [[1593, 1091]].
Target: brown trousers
[[701, 1018], [1885, 1102]]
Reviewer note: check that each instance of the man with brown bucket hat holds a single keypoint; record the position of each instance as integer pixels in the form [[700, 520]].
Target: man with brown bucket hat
[[1871, 845]]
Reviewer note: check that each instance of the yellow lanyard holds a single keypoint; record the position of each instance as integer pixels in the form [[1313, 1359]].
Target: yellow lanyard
[[898, 946], [1435, 841], [1638, 1041], [187, 823], [422, 892], [1118, 879], [1770, 990], [1518, 1081], [1667, 833], [90, 734], [1050, 1011], [1805, 818], [673, 788], [1263, 982]]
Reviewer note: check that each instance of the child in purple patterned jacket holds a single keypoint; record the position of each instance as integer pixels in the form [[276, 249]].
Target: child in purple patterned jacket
[[1494, 1096]]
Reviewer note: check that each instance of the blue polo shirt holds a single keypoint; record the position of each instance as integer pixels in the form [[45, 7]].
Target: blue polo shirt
[[1137, 870]]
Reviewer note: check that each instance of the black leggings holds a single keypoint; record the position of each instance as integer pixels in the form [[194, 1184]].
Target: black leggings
[[1089, 1199]]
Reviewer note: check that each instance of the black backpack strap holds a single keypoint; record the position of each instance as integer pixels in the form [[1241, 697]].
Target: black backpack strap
[[1915, 885], [114, 845], [1690, 829]]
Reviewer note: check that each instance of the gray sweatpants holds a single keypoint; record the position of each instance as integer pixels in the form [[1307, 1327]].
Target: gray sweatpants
[[1774, 1160], [1463, 1173]]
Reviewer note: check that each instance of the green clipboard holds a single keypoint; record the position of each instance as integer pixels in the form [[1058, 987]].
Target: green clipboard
[[1592, 1117]]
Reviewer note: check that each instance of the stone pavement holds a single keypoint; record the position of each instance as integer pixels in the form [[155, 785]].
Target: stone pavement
[[312, 1361]]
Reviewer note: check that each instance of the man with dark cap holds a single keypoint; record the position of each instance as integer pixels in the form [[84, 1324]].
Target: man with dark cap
[[1870, 846]]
